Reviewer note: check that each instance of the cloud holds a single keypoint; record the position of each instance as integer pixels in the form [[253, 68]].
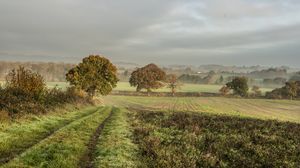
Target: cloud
[[208, 31]]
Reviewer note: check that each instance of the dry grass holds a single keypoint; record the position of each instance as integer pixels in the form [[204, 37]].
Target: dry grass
[[284, 110]]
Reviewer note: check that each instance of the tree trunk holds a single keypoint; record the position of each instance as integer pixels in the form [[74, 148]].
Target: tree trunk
[[148, 91], [173, 92]]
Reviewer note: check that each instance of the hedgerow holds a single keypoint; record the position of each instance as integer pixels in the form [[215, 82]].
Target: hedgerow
[[26, 92]]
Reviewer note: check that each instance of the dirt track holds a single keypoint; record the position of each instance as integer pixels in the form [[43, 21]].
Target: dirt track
[[87, 160]]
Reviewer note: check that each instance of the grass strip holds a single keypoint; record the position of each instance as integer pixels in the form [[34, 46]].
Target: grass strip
[[20, 136], [65, 147], [115, 147]]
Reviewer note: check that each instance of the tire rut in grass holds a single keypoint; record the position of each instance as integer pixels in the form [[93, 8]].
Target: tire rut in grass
[[87, 160], [13, 154]]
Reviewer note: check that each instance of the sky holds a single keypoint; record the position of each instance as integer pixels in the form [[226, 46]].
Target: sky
[[192, 32]]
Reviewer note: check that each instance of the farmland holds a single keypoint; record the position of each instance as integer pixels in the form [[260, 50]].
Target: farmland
[[157, 132], [56, 124], [150, 84], [125, 86], [284, 110]]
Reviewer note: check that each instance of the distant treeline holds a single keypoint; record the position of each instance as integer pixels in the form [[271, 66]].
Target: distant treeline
[[269, 73], [50, 71], [211, 78]]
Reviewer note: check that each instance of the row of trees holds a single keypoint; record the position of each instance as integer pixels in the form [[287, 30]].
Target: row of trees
[[98, 74], [26, 90], [239, 85], [152, 77]]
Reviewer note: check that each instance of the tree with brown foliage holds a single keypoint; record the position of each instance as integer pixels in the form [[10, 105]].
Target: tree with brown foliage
[[94, 74], [26, 81], [173, 83], [148, 77]]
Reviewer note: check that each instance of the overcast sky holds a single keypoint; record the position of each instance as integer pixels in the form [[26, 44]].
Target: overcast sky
[[230, 32]]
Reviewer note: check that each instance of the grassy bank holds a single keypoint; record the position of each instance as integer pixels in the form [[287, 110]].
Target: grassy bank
[[65, 147], [23, 133]]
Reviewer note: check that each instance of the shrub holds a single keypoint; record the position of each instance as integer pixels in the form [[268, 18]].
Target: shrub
[[291, 90], [26, 92], [26, 82]]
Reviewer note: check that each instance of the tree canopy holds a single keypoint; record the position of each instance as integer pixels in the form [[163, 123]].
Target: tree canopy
[[94, 74], [173, 83], [148, 77], [239, 85]]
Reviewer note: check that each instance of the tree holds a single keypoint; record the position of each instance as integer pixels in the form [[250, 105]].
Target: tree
[[220, 80], [256, 91], [292, 89], [239, 85], [224, 90], [173, 83], [94, 74], [148, 77]]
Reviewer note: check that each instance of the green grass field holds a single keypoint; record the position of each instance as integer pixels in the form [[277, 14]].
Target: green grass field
[[125, 86]]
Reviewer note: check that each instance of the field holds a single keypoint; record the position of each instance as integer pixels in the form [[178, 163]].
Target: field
[[157, 132], [284, 110], [131, 131], [125, 86]]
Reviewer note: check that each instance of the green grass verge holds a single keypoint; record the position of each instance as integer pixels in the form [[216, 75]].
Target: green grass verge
[[18, 136], [115, 147], [63, 148]]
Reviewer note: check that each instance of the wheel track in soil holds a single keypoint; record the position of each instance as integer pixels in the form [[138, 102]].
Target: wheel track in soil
[[11, 155], [87, 159]]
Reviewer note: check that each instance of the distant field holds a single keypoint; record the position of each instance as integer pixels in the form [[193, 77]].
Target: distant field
[[61, 85], [124, 86], [284, 110]]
